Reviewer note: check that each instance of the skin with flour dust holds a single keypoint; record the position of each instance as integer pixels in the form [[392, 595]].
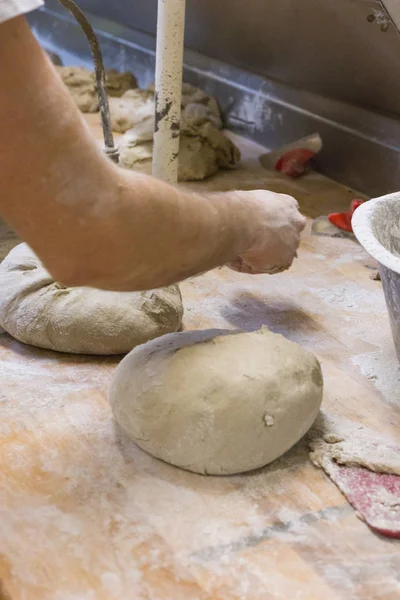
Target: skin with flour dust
[[92, 223]]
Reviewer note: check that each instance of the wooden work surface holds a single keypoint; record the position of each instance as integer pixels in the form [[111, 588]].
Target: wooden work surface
[[86, 515]]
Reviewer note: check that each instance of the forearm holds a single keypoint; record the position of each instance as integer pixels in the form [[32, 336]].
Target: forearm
[[89, 221], [166, 235]]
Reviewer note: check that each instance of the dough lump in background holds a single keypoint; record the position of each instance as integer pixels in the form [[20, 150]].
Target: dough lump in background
[[203, 151], [204, 147], [137, 105], [217, 402], [36, 310], [132, 108], [118, 83], [81, 84], [197, 106]]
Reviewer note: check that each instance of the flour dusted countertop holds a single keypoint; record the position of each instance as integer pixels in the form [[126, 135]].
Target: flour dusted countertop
[[86, 515]]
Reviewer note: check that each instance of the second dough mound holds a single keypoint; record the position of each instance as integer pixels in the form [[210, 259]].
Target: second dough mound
[[36, 310], [217, 402]]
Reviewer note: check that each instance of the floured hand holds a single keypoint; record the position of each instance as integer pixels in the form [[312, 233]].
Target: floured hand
[[277, 228]]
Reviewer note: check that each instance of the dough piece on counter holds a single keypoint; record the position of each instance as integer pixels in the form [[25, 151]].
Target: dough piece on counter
[[136, 147], [217, 402], [204, 148], [339, 441], [132, 108], [135, 106], [36, 310], [118, 83], [197, 106], [203, 151], [365, 466], [82, 85]]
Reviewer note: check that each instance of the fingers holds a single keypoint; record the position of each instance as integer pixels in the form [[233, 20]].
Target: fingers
[[279, 226], [300, 222], [242, 266]]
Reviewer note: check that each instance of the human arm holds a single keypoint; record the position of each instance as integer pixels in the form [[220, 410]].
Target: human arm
[[93, 223]]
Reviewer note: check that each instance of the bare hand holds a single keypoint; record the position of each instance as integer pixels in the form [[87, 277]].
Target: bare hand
[[277, 225]]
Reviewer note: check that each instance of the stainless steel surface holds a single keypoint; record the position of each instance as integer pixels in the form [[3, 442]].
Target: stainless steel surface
[[324, 46], [361, 147], [376, 226], [391, 287]]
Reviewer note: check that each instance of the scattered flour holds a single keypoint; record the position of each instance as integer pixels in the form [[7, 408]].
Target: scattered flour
[[349, 296], [382, 368], [102, 514]]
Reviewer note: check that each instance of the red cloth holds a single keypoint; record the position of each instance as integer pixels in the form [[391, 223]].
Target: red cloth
[[343, 220]]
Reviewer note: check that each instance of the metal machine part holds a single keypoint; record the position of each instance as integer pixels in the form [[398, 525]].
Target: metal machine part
[[375, 224], [80, 17]]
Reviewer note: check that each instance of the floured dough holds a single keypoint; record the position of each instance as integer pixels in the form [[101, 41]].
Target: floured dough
[[36, 310], [203, 151], [119, 83], [136, 106], [217, 402], [204, 148], [347, 443], [82, 85], [198, 107], [132, 108], [364, 465]]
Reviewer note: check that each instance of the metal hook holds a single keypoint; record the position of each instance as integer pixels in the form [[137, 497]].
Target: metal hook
[[80, 17]]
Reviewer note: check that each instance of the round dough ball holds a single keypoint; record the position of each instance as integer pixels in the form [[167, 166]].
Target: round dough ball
[[36, 310], [217, 402]]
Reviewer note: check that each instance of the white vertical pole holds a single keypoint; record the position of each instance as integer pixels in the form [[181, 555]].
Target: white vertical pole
[[169, 66]]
